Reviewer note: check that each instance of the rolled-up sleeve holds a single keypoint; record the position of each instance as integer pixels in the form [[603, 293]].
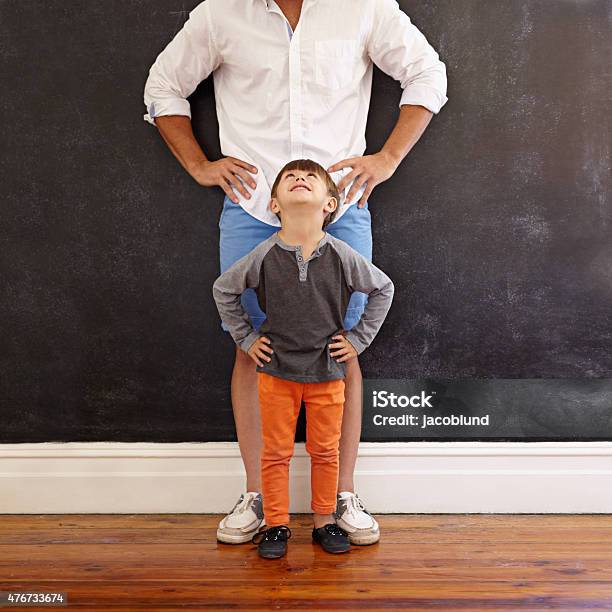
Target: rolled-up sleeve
[[401, 50], [185, 62]]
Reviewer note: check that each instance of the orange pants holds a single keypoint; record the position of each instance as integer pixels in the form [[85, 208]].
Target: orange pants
[[279, 404]]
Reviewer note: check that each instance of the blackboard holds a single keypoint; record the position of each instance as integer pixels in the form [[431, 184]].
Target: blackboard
[[496, 229]]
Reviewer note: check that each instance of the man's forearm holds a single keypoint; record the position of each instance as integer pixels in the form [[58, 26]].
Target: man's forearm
[[371, 170], [177, 132], [411, 123], [232, 175]]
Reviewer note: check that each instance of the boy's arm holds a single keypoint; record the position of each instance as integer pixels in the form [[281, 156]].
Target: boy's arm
[[227, 290], [362, 275]]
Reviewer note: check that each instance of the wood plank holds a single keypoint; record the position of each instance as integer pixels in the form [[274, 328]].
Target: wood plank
[[556, 561], [395, 535], [134, 528], [202, 521], [367, 594]]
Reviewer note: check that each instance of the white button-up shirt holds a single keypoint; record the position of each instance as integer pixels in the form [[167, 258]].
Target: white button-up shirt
[[283, 95]]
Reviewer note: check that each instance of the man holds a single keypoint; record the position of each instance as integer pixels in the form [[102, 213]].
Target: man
[[293, 80]]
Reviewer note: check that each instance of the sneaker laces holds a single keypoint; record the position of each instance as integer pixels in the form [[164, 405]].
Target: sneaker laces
[[280, 532], [355, 505], [334, 529], [242, 505]]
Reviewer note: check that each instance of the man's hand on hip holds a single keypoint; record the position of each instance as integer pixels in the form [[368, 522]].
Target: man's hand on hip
[[225, 173], [370, 169]]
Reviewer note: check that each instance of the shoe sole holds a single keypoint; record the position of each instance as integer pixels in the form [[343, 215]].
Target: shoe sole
[[272, 556], [333, 552], [364, 540], [360, 539], [227, 538]]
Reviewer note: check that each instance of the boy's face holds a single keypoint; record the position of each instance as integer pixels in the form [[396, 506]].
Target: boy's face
[[304, 190]]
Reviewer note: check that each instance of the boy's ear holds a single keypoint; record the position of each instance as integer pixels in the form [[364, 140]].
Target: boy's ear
[[273, 205], [331, 205]]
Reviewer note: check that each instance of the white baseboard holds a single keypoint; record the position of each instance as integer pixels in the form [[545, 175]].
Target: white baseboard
[[403, 477]]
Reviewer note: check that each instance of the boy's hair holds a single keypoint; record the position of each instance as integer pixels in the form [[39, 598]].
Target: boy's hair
[[307, 165]]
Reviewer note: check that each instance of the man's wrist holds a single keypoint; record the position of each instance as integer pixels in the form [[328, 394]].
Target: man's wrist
[[191, 166], [391, 158]]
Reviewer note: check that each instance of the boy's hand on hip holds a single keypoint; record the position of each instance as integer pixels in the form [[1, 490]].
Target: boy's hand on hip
[[258, 350], [343, 349], [369, 169], [225, 173]]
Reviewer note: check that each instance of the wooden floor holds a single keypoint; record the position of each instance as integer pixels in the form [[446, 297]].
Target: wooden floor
[[423, 562]]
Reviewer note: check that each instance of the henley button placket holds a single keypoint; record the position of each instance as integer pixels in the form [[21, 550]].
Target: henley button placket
[[301, 264]]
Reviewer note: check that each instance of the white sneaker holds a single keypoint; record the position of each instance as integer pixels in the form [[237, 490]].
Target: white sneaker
[[243, 520], [352, 516]]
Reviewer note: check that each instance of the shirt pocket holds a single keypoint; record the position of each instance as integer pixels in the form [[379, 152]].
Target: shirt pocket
[[335, 62]]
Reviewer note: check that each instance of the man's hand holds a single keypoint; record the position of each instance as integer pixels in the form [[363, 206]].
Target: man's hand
[[256, 352], [371, 169], [226, 173], [345, 350]]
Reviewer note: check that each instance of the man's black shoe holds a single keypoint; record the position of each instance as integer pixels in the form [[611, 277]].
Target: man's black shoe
[[272, 542], [332, 538]]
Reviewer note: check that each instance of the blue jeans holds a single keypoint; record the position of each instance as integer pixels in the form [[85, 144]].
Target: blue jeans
[[240, 233]]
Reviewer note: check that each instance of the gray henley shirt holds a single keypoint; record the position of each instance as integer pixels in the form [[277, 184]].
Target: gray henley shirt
[[305, 301]]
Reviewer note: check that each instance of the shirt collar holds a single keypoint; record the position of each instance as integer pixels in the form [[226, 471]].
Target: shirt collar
[[267, 3], [289, 247]]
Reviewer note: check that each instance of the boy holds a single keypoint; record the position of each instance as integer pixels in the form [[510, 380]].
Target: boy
[[303, 278]]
